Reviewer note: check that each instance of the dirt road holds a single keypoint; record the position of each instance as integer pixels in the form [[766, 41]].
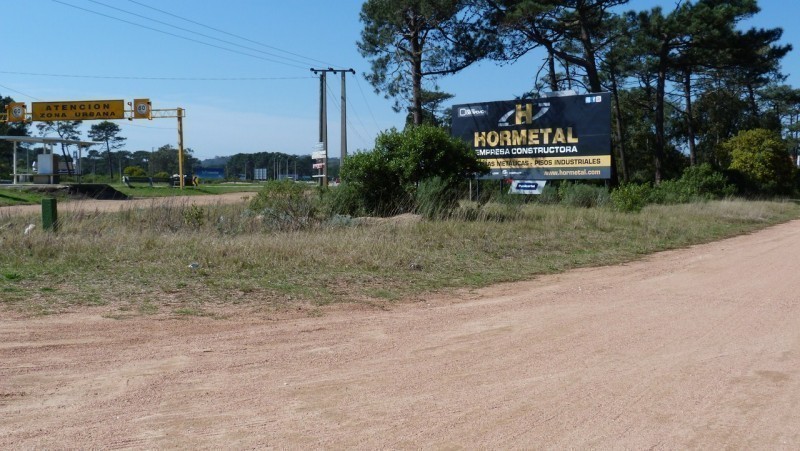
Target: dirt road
[[691, 348]]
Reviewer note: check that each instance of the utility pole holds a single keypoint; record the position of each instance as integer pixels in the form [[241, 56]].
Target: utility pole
[[323, 116], [180, 145], [344, 118]]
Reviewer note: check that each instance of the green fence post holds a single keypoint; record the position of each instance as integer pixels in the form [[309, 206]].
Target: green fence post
[[50, 214]]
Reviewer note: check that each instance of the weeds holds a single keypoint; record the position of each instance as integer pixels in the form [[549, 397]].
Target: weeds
[[137, 261]]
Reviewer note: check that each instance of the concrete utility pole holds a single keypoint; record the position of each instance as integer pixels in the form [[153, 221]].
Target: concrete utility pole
[[180, 145], [344, 118], [323, 116]]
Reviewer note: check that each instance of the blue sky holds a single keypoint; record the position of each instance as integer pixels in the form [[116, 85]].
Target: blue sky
[[267, 101]]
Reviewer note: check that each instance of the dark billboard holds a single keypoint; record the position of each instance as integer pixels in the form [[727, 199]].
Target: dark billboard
[[565, 137]]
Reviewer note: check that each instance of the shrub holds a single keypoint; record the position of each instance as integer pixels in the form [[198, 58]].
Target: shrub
[[386, 179], [372, 185], [582, 195], [285, 205], [436, 199], [194, 216], [670, 192], [704, 181], [134, 171], [344, 200], [631, 197], [762, 158], [549, 195]]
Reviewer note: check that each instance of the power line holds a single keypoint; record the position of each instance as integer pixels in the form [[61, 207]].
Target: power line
[[337, 104], [358, 118], [150, 126], [363, 96], [195, 32], [20, 92], [112, 77], [231, 34], [179, 36]]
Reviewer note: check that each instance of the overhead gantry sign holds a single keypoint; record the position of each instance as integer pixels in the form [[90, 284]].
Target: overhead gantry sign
[[101, 110]]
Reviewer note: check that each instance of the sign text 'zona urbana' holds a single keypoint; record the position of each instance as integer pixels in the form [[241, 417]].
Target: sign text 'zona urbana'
[[113, 109]]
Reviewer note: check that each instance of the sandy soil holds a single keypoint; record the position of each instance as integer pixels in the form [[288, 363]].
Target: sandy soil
[[696, 348]]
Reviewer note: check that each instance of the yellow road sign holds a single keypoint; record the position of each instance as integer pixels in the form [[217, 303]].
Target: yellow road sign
[[78, 110], [142, 109], [16, 112]]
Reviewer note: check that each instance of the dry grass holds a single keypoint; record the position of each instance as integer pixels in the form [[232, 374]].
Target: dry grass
[[181, 259]]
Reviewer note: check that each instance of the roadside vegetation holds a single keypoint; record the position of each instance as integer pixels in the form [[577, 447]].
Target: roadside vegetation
[[271, 255], [404, 223]]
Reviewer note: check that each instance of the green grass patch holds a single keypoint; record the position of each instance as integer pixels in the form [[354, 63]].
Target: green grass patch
[[140, 190], [19, 195]]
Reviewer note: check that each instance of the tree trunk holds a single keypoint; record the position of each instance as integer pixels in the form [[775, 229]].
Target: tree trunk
[[660, 141], [687, 91], [551, 63], [110, 164], [416, 73], [620, 128], [66, 161], [589, 56]]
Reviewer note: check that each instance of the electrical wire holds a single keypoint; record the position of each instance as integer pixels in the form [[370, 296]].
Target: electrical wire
[[363, 96], [195, 32], [179, 36], [337, 104], [110, 77], [358, 118], [231, 34], [150, 126], [21, 93]]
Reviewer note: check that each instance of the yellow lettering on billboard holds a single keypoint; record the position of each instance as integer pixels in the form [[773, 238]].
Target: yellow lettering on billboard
[[586, 161]]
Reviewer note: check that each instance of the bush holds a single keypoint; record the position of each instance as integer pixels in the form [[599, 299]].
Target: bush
[[699, 182], [631, 197], [387, 178], [549, 194], [762, 158], [436, 199], [371, 185], [285, 205], [134, 171], [582, 195], [342, 200], [704, 182]]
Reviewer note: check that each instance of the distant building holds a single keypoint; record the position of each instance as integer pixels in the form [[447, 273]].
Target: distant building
[[210, 173]]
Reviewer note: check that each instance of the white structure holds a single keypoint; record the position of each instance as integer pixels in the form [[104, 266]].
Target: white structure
[[46, 166]]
